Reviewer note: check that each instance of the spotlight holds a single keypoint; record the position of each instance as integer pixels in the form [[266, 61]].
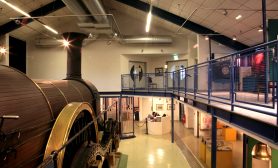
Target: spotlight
[[234, 38], [3, 50], [66, 43], [260, 29], [238, 17]]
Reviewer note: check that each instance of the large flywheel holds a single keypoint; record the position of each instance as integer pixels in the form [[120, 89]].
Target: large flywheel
[[74, 140], [74, 118]]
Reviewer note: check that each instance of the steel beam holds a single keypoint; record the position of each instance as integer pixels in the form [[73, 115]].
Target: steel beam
[[42, 11]]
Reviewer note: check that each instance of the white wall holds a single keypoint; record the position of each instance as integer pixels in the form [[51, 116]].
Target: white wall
[[146, 104], [203, 49], [102, 64]]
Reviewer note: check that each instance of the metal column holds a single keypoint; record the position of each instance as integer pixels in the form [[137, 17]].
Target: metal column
[[133, 114], [232, 84], [172, 119], [245, 151], [120, 114], [213, 141], [265, 52], [195, 80], [106, 106]]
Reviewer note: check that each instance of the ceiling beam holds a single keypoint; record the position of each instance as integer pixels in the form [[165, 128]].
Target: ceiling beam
[[175, 19], [42, 11]]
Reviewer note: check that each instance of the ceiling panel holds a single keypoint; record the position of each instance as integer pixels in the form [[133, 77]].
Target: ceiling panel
[[165, 4], [210, 14]]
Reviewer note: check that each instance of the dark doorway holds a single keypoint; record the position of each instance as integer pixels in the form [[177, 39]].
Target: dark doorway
[[17, 54]]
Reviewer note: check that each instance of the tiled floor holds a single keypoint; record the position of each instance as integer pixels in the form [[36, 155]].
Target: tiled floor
[[148, 151], [185, 139]]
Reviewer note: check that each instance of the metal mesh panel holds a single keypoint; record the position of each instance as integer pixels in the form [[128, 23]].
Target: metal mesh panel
[[182, 78], [202, 79], [127, 82], [190, 80], [251, 72], [221, 78], [156, 81], [176, 80]]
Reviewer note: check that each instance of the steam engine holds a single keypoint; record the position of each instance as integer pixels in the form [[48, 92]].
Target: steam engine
[[53, 123]]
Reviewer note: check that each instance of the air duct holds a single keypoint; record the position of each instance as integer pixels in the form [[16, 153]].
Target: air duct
[[88, 7], [75, 7], [147, 40], [95, 7]]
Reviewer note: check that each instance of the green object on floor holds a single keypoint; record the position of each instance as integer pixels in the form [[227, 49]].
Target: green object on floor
[[123, 161]]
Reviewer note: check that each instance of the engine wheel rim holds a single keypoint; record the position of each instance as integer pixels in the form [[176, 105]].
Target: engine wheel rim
[[61, 129]]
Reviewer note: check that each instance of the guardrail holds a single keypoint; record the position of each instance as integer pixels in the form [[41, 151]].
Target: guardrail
[[248, 77]]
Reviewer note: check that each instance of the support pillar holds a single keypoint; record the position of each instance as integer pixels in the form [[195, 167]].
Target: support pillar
[[213, 141], [245, 151], [172, 119]]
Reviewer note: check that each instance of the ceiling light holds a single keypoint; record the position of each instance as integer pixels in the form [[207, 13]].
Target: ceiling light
[[234, 38], [165, 66], [50, 29], [206, 38], [15, 8], [238, 17], [175, 57], [149, 20], [3, 50], [66, 43]]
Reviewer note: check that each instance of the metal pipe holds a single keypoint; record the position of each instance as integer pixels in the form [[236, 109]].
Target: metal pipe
[[264, 21], [245, 151], [75, 7], [95, 6], [213, 141], [172, 119]]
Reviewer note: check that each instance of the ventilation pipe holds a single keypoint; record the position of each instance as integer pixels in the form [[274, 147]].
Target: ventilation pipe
[[96, 7], [75, 7], [87, 7]]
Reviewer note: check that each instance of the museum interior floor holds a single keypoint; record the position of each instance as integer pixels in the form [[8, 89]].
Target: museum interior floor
[[153, 151], [150, 151]]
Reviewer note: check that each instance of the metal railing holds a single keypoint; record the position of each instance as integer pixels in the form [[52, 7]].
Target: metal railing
[[245, 79]]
